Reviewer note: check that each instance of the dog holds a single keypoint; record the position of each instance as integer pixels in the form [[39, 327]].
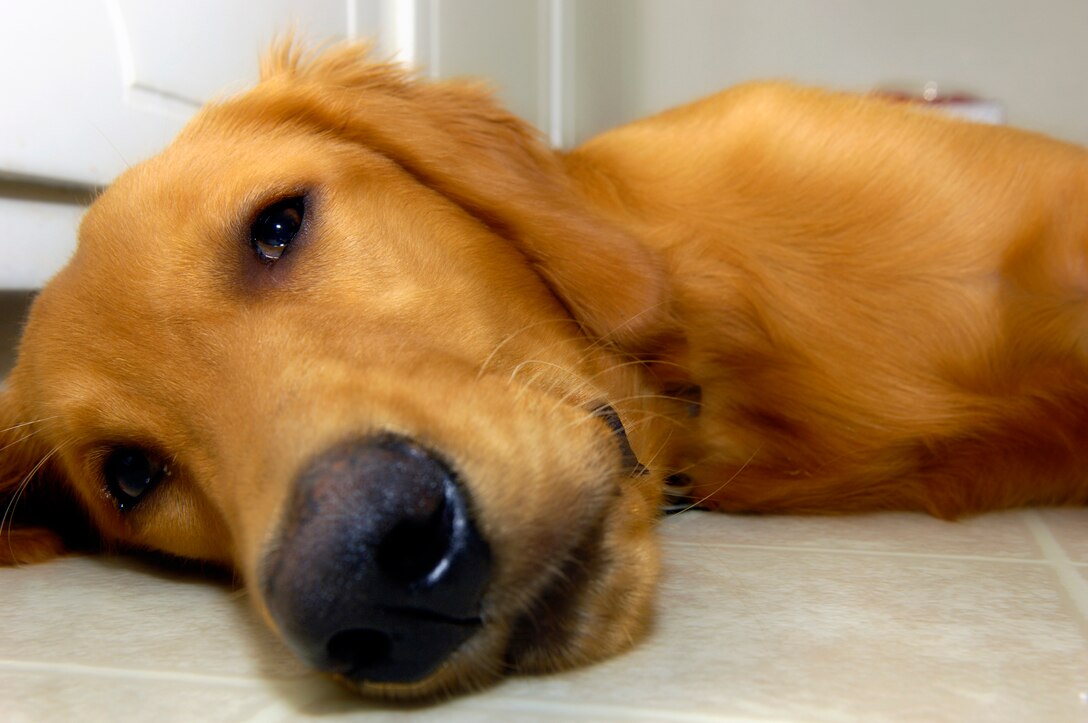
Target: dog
[[424, 384]]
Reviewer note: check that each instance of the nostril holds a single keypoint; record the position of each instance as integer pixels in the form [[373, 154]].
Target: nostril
[[353, 652], [413, 551]]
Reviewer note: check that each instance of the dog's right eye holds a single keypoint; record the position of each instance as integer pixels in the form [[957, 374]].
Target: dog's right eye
[[276, 227], [131, 473]]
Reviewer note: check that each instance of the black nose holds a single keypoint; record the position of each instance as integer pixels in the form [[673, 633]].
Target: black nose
[[379, 571]]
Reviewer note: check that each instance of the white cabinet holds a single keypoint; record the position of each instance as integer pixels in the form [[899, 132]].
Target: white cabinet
[[93, 86], [38, 236]]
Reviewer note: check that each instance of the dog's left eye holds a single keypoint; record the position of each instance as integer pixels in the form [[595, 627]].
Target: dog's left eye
[[612, 419], [131, 473], [276, 227]]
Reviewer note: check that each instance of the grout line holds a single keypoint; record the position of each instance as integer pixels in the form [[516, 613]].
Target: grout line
[[291, 700], [495, 707], [1074, 582], [591, 711], [848, 551], [100, 671], [1076, 587]]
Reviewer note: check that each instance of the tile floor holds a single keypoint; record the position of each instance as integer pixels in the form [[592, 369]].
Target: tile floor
[[885, 617]]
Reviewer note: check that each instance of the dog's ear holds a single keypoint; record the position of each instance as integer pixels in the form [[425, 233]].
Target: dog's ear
[[499, 171], [25, 533], [454, 138]]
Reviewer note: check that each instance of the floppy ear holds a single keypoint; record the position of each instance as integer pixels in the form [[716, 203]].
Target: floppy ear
[[24, 503], [455, 139]]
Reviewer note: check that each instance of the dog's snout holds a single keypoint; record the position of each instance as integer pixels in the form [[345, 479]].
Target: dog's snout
[[379, 570]]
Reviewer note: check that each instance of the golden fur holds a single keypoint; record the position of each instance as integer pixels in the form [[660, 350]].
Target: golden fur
[[796, 301]]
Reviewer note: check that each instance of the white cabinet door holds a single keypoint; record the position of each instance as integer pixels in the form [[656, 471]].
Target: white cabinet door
[[94, 86]]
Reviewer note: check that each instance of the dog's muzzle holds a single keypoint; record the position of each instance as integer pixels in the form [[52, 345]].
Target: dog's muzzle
[[379, 571]]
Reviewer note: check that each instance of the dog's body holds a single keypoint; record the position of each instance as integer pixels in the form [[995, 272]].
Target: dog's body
[[368, 342], [882, 309]]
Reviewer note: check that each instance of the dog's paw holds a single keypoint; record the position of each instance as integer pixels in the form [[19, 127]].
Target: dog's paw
[[29, 545]]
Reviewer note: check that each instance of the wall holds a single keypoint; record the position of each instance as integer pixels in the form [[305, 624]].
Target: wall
[[634, 57], [512, 57]]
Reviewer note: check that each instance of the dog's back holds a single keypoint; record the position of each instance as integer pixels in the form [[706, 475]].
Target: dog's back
[[883, 308]]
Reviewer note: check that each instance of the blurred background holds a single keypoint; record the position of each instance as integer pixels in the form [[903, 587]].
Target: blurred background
[[92, 86]]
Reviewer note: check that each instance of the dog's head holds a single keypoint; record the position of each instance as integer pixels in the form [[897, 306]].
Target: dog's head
[[361, 339]]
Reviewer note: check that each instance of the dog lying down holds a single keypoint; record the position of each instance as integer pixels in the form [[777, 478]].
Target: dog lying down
[[423, 383]]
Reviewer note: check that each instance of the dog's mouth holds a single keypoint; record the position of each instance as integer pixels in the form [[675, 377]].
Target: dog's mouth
[[405, 601], [543, 636]]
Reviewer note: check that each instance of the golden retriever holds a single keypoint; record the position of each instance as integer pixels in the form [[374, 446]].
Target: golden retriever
[[423, 382]]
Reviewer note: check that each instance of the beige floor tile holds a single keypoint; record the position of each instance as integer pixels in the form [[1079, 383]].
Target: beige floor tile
[[821, 636], [318, 703], [129, 615], [742, 633], [995, 535], [1070, 528], [38, 696]]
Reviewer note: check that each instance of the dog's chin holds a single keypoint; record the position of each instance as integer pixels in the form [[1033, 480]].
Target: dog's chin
[[598, 603]]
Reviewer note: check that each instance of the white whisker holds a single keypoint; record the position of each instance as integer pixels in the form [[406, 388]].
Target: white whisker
[[31, 423], [511, 337], [723, 485], [9, 512]]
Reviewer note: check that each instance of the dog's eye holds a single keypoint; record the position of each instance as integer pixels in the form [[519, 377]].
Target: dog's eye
[[612, 419], [276, 227], [131, 473]]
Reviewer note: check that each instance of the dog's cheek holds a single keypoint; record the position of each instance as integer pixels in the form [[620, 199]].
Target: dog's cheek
[[603, 606], [619, 607], [539, 482], [532, 536]]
